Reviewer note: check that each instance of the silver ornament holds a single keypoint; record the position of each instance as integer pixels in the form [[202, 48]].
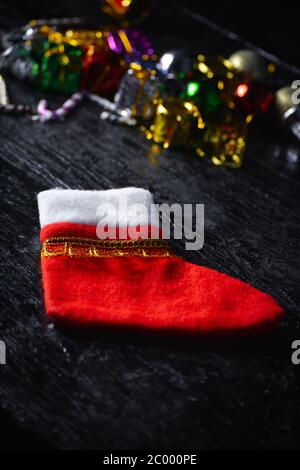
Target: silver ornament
[[288, 110], [171, 63]]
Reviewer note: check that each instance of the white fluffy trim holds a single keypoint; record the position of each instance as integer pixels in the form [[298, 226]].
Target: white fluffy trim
[[115, 206]]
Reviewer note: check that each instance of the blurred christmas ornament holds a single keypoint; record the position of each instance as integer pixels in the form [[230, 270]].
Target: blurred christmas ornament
[[205, 95], [174, 63], [173, 69], [45, 114], [224, 142], [207, 104], [171, 87], [253, 97], [60, 68], [25, 68], [174, 122], [43, 26], [102, 70], [3, 92], [111, 113], [24, 59], [118, 118], [79, 37], [38, 30], [119, 7], [213, 82], [132, 44], [64, 59], [13, 54], [138, 92], [127, 11], [284, 100], [288, 110], [251, 65]]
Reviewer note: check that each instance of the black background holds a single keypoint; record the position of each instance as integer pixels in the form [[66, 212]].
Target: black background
[[274, 27], [112, 389]]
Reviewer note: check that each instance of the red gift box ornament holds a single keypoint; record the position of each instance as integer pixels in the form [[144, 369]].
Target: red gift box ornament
[[253, 97], [100, 266], [102, 70]]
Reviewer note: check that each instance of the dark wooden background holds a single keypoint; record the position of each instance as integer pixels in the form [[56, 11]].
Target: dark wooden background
[[114, 389]]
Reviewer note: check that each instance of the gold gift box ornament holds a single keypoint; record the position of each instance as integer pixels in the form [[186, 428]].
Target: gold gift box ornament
[[225, 142], [175, 122]]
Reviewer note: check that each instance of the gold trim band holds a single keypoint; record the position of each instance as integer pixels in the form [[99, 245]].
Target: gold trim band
[[89, 248]]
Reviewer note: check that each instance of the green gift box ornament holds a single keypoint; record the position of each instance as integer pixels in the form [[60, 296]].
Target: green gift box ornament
[[61, 67], [211, 84]]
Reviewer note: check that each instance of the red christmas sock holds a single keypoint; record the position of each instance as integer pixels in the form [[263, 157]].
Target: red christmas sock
[[130, 281]]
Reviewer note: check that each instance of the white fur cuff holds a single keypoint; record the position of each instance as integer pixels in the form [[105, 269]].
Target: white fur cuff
[[87, 207]]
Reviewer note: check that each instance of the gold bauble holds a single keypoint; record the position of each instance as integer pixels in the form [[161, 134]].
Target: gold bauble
[[247, 62], [284, 99]]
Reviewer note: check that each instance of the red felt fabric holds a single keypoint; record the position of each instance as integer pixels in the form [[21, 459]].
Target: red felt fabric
[[69, 229], [159, 293]]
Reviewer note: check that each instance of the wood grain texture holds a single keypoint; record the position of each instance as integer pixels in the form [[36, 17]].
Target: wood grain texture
[[116, 389]]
